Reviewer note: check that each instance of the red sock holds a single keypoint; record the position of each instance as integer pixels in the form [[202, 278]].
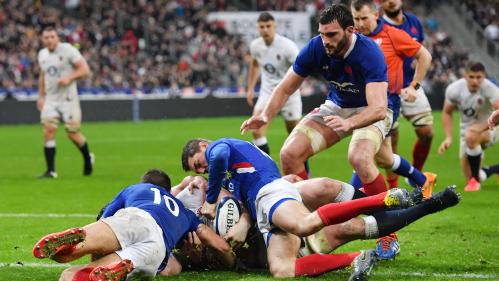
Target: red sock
[[377, 186], [303, 174], [334, 213], [420, 152], [393, 182], [83, 274], [318, 264]]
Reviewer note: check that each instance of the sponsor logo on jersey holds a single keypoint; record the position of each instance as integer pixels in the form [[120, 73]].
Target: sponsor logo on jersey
[[52, 70], [344, 87], [269, 68]]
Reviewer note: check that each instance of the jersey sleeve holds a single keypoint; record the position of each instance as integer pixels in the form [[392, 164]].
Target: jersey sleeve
[[451, 95], [193, 219], [292, 52], [117, 203], [73, 54], [373, 66], [252, 49], [403, 43], [492, 92], [304, 62], [218, 163]]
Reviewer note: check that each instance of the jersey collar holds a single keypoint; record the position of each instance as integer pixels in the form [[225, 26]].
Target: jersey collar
[[390, 21], [354, 39], [378, 28]]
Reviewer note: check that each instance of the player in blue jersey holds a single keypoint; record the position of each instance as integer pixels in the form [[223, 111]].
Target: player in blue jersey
[[418, 112], [357, 103], [275, 204], [134, 237]]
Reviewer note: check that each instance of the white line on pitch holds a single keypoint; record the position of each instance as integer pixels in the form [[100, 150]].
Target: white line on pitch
[[28, 215], [33, 264]]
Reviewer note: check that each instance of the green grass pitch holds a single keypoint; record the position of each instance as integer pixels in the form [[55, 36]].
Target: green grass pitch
[[461, 243]]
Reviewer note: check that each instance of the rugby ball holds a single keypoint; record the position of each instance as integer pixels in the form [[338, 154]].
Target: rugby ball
[[228, 214]]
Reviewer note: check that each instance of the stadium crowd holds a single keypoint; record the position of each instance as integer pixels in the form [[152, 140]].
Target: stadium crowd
[[485, 13], [151, 44]]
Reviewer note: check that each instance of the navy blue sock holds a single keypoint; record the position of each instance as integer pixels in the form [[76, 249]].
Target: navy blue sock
[[489, 171], [355, 181], [404, 168]]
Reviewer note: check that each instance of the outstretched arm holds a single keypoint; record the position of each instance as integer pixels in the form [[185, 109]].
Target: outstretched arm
[[212, 240]]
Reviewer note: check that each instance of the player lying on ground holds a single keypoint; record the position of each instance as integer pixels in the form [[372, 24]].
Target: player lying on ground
[[475, 97], [138, 230], [275, 204], [315, 193]]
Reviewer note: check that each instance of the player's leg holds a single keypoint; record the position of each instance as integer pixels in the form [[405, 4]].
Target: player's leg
[[317, 192], [308, 138], [475, 136], [71, 113], [422, 147], [282, 251], [74, 243], [391, 177], [259, 135], [82, 272], [50, 121]]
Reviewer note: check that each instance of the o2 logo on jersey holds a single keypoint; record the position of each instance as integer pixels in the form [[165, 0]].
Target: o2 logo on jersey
[[170, 204], [469, 112], [269, 68], [52, 71]]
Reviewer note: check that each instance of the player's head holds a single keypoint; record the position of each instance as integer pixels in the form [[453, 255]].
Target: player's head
[[365, 15], [50, 38], [193, 158], [158, 178], [266, 26], [335, 28], [474, 75], [391, 8]]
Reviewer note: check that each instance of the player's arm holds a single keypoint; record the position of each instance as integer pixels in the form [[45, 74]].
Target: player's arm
[[81, 70], [493, 119], [173, 267], [212, 240], [447, 125], [288, 85], [253, 74], [41, 91], [423, 59], [238, 232], [111, 208], [218, 161]]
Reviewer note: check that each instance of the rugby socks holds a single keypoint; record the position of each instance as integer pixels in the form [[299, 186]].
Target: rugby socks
[[420, 153], [392, 180], [355, 180], [317, 264], [303, 174], [474, 158], [262, 144], [83, 274], [334, 213], [49, 151], [489, 171], [87, 170], [375, 187], [403, 168]]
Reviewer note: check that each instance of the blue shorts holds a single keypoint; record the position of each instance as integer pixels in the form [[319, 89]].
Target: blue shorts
[[394, 104]]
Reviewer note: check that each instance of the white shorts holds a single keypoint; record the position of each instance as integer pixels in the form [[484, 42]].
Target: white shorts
[[420, 105], [330, 108], [292, 109], [67, 111], [493, 139], [268, 199], [140, 238]]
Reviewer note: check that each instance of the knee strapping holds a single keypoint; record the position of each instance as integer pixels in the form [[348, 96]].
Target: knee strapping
[[317, 140], [423, 119]]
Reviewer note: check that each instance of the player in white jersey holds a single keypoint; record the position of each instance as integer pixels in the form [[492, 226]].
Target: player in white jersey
[[60, 66], [475, 97], [271, 55]]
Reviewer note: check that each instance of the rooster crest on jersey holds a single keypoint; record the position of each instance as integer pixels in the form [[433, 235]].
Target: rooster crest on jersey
[[228, 214]]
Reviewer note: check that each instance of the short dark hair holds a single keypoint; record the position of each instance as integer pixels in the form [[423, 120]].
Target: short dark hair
[[339, 13], [358, 4], [475, 66], [190, 148], [264, 17], [49, 27], [157, 177]]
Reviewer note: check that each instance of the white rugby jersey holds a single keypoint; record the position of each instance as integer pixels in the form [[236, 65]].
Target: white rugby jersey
[[473, 107], [274, 60], [58, 64]]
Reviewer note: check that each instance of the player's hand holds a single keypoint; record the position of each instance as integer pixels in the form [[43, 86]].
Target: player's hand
[[64, 81], [493, 119], [409, 94], [338, 124], [444, 145], [208, 210], [236, 235], [193, 239], [255, 122], [250, 94], [40, 102]]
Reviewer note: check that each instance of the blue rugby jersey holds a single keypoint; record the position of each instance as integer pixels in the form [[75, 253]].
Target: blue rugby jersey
[[364, 63], [168, 212], [241, 168]]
